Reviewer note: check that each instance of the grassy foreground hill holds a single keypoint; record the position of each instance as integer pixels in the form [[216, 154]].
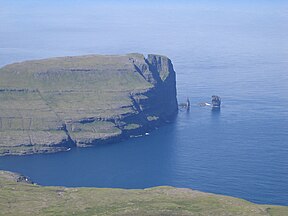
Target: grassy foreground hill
[[19, 197], [54, 104]]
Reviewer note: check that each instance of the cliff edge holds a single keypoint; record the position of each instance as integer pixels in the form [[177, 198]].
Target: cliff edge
[[19, 197], [55, 104]]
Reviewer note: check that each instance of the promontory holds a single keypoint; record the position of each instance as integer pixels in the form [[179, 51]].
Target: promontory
[[55, 104], [18, 196]]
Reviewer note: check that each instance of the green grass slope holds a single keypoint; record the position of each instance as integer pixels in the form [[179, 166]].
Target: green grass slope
[[19, 197], [54, 104]]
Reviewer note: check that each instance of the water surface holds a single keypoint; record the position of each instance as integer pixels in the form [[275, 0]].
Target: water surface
[[239, 52]]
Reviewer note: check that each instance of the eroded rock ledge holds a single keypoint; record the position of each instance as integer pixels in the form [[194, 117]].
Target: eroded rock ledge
[[55, 104]]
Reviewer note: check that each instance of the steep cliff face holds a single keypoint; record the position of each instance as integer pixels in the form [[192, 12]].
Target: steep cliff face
[[54, 104]]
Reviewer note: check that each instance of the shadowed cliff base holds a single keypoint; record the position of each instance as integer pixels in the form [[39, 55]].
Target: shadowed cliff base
[[55, 104]]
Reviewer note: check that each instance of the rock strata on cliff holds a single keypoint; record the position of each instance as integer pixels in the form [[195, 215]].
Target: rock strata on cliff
[[54, 104]]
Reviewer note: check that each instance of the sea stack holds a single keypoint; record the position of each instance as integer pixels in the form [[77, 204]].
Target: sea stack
[[216, 101]]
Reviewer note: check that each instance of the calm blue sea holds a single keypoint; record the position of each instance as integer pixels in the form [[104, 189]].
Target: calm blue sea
[[237, 51]]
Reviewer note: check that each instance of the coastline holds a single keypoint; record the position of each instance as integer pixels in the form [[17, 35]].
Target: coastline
[[131, 134], [24, 197], [56, 104]]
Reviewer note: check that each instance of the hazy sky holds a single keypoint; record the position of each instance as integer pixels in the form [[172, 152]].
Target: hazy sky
[[37, 29]]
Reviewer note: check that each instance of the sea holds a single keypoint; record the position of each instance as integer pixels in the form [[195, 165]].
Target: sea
[[237, 50]]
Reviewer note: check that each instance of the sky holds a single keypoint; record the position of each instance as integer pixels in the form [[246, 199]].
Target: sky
[[35, 29], [137, 2]]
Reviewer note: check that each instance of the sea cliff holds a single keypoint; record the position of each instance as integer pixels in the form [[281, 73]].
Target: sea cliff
[[55, 104]]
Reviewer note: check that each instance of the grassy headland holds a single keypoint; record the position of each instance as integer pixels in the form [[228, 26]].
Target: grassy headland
[[54, 104], [19, 197]]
